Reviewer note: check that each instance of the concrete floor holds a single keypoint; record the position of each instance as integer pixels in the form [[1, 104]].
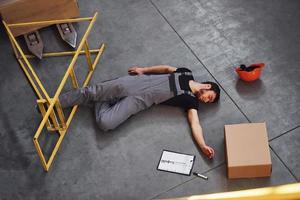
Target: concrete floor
[[209, 37]]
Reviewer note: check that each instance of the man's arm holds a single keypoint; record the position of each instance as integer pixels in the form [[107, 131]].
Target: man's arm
[[198, 134], [157, 69]]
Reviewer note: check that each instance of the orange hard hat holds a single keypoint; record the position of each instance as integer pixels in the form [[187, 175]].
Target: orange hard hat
[[250, 75]]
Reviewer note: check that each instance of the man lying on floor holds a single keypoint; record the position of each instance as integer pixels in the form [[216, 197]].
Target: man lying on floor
[[118, 99]]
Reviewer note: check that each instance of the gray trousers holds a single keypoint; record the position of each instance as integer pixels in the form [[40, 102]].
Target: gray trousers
[[116, 100]]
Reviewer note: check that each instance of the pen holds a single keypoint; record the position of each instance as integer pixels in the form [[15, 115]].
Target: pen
[[200, 175]]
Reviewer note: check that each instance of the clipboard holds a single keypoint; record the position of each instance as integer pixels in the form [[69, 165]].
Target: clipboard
[[175, 162]]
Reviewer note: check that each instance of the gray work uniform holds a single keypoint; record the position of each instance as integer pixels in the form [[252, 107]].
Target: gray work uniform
[[116, 100]]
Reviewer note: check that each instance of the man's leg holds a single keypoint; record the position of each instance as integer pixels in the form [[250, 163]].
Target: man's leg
[[116, 88], [100, 92], [109, 117]]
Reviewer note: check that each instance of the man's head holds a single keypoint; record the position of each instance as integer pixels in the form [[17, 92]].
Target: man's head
[[209, 92]]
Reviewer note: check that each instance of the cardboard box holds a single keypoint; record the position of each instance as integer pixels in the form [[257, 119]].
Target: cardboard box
[[247, 150], [17, 11]]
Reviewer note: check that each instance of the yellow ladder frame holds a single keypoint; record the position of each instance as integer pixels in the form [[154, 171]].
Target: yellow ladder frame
[[52, 113]]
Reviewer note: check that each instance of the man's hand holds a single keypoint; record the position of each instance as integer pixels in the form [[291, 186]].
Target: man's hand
[[135, 70], [208, 151]]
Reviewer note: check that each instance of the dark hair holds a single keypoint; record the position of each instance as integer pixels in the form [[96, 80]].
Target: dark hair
[[215, 88]]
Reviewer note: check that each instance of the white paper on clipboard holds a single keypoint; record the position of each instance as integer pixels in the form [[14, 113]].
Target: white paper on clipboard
[[176, 162]]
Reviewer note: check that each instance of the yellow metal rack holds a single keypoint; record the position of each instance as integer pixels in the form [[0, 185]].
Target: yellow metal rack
[[52, 113]]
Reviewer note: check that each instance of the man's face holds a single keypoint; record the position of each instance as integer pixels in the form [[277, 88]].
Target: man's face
[[206, 96]]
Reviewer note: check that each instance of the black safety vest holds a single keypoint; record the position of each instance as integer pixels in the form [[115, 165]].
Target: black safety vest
[[175, 84]]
